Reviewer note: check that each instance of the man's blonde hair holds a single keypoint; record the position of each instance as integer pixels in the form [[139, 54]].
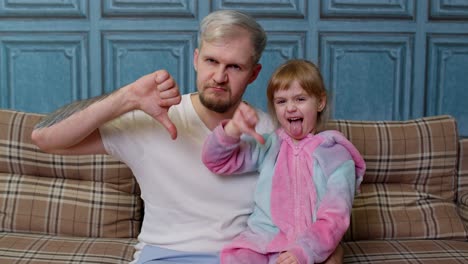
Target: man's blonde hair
[[226, 23]]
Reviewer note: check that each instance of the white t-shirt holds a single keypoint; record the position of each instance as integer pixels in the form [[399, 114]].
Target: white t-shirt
[[187, 208]]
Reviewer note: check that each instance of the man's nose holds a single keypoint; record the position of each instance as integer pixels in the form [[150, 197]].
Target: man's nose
[[220, 75]]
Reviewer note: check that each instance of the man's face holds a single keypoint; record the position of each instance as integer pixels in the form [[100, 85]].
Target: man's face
[[224, 69]]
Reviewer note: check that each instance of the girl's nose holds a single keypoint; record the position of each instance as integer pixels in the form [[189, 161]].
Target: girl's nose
[[291, 107]]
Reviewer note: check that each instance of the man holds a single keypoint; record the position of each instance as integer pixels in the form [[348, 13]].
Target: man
[[190, 213]]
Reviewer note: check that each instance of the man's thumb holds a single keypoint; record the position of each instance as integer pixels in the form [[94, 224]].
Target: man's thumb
[[167, 123]]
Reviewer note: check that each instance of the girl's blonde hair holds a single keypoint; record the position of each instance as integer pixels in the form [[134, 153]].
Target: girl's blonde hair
[[309, 78]]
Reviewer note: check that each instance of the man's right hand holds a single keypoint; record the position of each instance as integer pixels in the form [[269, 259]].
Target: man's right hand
[[154, 94], [74, 129]]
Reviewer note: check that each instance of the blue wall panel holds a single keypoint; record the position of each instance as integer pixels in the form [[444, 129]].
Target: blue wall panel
[[43, 71], [266, 8], [448, 9], [448, 78], [142, 8], [44, 8], [381, 9], [370, 75], [381, 59], [131, 55]]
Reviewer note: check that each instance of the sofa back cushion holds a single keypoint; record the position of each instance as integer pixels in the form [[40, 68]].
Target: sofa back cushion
[[89, 195], [409, 188], [462, 197]]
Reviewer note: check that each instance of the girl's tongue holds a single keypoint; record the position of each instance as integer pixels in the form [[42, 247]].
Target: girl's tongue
[[295, 127]]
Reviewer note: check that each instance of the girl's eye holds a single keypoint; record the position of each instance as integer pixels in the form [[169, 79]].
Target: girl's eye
[[281, 101], [301, 99]]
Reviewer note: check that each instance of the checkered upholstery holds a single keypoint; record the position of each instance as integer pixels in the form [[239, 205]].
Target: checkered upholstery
[[409, 189], [413, 205], [462, 198], [76, 203], [405, 251], [22, 248]]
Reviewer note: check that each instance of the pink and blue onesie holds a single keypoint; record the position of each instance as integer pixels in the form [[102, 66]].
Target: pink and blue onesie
[[303, 197]]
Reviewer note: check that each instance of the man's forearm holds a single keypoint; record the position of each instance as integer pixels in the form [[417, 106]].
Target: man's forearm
[[66, 111], [73, 123], [75, 126]]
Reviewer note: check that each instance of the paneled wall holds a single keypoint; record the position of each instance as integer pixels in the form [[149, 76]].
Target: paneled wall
[[381, 59]]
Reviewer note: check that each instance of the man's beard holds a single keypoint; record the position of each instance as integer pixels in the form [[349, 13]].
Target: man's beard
[[218, 106]]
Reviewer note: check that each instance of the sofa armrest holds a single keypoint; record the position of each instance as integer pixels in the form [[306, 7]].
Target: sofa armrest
[[41, 193]]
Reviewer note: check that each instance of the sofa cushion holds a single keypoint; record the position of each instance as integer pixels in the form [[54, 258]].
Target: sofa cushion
[[90, 195], [463, 181], [406, 251], [44, 249], [409, 188]]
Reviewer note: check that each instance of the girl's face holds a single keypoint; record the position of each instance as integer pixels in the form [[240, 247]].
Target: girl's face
[[297, 111]]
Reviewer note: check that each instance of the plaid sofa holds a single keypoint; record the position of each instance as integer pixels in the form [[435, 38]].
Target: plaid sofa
[[413, 205], [62, 209]]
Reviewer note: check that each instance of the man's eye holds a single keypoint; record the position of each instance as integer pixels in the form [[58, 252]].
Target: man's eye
[[235, 67]]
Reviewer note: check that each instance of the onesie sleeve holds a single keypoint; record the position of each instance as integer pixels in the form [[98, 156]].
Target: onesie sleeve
[[226, 155]]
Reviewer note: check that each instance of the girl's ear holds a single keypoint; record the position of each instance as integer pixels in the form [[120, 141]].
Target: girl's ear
[[323, 103]]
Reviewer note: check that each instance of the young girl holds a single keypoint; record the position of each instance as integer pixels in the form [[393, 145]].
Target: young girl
[[307, 181]]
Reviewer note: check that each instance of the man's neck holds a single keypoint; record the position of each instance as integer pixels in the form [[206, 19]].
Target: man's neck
[[210, 118]]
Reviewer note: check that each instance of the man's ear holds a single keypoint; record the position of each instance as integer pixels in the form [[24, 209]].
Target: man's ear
[[255, 72], [195, 59]]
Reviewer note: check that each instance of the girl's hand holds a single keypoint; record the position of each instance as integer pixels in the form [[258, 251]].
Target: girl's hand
[[286, 258], [244, 121]]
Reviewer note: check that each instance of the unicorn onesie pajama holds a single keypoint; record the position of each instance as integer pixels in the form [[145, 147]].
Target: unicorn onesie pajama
[[303, 197]]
